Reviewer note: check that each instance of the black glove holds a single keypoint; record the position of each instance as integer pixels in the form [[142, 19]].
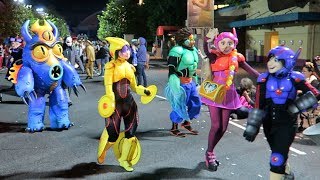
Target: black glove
[[306, 101], [147, 92], [253, 124]]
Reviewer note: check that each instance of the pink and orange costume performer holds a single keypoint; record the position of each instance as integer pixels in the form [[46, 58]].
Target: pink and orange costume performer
[[118, 103], [224, 66]]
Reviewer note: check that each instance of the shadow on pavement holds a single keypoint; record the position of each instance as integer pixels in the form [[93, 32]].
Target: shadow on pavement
[[175, 173], [144, 135], [12, 127], [78, 171], [153, 133]]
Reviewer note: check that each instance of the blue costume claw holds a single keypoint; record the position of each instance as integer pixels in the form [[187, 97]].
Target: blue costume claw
[[75, 90], [83, 87]]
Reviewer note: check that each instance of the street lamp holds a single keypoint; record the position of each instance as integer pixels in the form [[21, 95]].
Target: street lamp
[[140, 2], [19, 1]]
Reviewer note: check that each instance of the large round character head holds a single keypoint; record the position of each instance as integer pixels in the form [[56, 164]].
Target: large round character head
[[119, 48], [282, 60], [226, 41], [185, 38], [43, 50]]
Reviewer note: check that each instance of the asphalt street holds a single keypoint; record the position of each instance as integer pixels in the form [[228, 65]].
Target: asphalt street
[[71, 154]]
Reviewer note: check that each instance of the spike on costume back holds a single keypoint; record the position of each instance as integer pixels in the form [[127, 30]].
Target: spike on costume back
[[43, 70]]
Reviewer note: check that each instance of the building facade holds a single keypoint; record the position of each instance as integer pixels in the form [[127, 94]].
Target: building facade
[[293, 27]]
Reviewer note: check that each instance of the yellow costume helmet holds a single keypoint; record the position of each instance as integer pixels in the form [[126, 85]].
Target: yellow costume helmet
[[116, 44]]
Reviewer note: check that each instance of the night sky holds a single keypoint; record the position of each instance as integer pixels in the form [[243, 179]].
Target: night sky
[[73, 11]]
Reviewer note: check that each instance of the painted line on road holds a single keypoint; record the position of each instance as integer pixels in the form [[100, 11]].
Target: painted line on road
[[160, 97], [291, 148], [242, 127]]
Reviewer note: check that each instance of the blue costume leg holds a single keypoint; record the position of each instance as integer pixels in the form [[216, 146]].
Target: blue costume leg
[[194, 102], [58, 109], [36, 114]]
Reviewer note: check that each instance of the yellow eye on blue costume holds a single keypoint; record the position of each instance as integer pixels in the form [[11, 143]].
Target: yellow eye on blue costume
[[40, 53], [57, 50]]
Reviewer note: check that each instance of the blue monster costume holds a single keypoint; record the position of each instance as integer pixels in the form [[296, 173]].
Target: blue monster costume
[[42, 70], [277, 107]]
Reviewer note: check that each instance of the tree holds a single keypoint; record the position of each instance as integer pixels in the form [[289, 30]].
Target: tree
[[127, 17], [165, 12], [14, 15], [60, 23], [12, 18], [112, 22]]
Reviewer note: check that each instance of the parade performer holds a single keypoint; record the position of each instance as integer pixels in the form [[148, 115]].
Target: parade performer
[[181, 89], [118, 103], [218, 90], [41, 72], [277, 107]]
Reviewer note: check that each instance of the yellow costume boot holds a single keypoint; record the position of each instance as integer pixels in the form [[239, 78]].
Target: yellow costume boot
[[275, 176], [126, 147], [103, 147]]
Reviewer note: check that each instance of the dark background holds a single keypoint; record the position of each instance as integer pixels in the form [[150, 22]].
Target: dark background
[[72, 11]]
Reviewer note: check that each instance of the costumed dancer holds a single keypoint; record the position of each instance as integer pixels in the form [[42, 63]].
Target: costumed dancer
[[118, 103], [218, 90], [181, 90], [42, 71], [277, 107]]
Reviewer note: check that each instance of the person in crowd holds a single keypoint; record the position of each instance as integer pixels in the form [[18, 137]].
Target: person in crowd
[[70, 52], [90, 55], [105, 56], [101, 57], [181, 90], [247, 93], [142, 62], [153, 49], [305, 119], [15, 54], [1, 56], [277, 107], [118, 103], [134, 49], [224, 98]]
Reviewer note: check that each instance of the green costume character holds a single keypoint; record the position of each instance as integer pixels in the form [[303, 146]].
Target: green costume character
[[181, 89]]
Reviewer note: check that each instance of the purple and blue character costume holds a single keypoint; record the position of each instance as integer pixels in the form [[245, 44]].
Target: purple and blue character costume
[[276, 95], [42, 71]]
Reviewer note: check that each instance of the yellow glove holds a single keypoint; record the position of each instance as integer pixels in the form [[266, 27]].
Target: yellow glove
[[147, 94]]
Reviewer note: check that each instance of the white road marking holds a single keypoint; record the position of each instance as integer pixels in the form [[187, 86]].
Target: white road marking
[[242, 127], [161, 97], [291, 148]]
